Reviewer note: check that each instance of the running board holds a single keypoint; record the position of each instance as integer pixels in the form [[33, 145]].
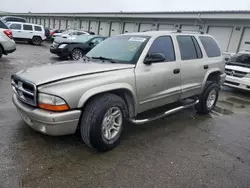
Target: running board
[[166, 113]]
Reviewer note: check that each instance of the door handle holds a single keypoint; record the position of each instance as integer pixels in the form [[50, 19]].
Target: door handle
[[206, 66], [176, 71], [19, 31]]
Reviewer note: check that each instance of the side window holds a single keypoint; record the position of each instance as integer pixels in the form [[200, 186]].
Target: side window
[[210, 46], [187, 47], [165, 46], [27, 27], [80, 33], [97, 40], [38, 28], [15, 26], [198, 48]]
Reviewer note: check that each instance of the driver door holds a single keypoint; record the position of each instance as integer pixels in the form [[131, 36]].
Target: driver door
[[159, 83]]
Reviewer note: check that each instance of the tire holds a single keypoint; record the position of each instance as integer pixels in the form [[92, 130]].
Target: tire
[[210, 93], [96, 124], [37, 41], [1, 52], [76, 54]]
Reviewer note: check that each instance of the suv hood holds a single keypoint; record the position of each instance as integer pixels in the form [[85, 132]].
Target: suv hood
[[57, 71]]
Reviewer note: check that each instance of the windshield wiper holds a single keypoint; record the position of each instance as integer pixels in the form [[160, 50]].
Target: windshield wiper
[[105, 59]]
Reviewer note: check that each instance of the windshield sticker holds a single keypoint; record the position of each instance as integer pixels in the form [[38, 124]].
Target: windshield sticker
[[137, 39], [132, 48]]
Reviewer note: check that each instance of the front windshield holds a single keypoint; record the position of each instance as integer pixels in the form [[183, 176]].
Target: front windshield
[[240, 59], [124, 48]]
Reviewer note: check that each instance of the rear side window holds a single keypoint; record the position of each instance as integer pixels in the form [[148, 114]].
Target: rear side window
[[189, 48], [27, 27], [3, 26], [165, 46], [38, 28], [210, 46], [15, 26]]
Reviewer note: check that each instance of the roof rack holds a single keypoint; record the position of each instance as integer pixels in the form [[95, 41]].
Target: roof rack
[[177, 30]]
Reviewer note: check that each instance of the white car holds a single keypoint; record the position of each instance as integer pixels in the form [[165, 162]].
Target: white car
[[70, 33], [7, 44], [238, 71], [33, 33]]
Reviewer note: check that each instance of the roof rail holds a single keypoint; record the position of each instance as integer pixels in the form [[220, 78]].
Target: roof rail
[[177, 30]]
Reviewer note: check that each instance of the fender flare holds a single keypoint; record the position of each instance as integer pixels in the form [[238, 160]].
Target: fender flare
[[106, 88], [207, 75]]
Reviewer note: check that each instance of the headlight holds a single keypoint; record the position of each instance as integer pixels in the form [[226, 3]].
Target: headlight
[[62, 46], [51, 102]]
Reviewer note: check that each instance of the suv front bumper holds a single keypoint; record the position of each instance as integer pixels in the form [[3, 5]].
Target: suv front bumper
[[50, 123]]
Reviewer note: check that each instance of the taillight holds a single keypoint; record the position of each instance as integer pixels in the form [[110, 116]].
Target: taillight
[[8, 33]]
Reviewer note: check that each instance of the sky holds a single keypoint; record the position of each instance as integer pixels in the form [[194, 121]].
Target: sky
[[121, 5]]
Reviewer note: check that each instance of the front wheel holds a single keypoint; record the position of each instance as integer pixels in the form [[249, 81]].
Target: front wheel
[[102, 122], [208, 98], [76, 54]]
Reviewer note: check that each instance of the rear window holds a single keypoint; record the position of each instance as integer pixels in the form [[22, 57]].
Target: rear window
[[27, 27], [3, 26], [210, 46], [38, 28]]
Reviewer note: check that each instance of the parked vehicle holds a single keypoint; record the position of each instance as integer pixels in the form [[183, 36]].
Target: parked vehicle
[[238, 71], [118, 80], [32, 33], [75, 47], [69, 33], [7, 19], [7, 44], [54, 31]]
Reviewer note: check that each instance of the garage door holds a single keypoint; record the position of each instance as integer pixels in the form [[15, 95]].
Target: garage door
[[222, 35], [104, 29], [51, 23], [77, 24], [42, 22], [57, 24], [94, 26], [38, 20], [46, 22], [129, 28], [63, 24], [245, 41], [190, 27], [116, 28], [162, 27], [84, 25], [146, 27]]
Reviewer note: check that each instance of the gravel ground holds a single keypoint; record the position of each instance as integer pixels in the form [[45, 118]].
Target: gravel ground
[[182, 150]]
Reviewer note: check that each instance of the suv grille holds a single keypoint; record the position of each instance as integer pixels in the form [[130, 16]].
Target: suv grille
[[25, 91], [235, 73]]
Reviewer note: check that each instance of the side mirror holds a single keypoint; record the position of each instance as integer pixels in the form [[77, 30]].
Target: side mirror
[[153, 58]]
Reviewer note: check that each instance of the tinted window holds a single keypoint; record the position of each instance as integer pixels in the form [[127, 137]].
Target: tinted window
[[27, 27], [187, 47], [210, 46], [38, 28], [15, 26], [197, 47], [165, 46], [97, 40], [2, 25]]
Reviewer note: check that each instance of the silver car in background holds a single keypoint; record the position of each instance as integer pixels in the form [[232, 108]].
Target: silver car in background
[[70, 33]]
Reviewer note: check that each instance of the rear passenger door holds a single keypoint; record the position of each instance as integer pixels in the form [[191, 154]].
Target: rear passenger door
[[27, 32], [193, 68], [159, 83]]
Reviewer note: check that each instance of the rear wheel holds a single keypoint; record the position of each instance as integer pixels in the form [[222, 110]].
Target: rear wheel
[[76, 54], [208, 98], [102, 122], [37, 40]]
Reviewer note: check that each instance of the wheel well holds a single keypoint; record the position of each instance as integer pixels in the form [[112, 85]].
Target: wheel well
[[125, 94], [37, 36], [214, 76]]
